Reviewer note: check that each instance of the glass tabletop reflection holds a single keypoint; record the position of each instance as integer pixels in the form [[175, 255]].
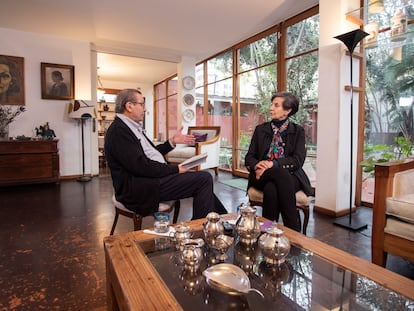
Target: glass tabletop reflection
[[305, 281]]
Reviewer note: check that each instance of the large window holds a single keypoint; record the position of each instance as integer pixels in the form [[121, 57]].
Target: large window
[[301, 61], [233, 88], [218, 108], [165, 103], [256, 80], [389, 98]]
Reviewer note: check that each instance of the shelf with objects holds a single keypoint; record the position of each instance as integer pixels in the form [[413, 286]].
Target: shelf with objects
[[106, 114], [389, 27]]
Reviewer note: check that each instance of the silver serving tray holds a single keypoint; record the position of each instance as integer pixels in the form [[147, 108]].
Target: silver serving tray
[[230, 279]]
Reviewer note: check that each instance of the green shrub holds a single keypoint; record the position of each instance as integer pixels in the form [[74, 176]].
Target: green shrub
[[384, 153]]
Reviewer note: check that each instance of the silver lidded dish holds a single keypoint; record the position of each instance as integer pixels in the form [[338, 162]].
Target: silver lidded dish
[[274, 245]]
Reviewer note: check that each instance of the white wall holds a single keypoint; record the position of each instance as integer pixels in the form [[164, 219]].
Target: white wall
[[35, 49], [333, 158]]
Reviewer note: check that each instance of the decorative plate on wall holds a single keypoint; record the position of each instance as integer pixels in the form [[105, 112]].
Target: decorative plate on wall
[[188, 99], [188, 83], [188, 115]]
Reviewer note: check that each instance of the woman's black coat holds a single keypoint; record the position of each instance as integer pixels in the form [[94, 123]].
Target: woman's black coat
[[294, 152]]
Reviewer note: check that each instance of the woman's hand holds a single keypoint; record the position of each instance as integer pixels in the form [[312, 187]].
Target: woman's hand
[[261, 167]]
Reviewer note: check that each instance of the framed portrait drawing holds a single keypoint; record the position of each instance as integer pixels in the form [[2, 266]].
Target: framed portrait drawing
[[12, 80], [58, 81]]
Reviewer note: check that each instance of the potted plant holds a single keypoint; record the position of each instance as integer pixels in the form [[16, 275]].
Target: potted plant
[[7, 115]]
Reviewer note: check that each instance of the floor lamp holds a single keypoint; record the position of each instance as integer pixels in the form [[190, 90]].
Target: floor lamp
[[84, 177], [351, 40], [82, 111]]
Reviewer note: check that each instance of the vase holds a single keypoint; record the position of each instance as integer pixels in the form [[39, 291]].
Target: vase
[[398, 26], [4, 132]]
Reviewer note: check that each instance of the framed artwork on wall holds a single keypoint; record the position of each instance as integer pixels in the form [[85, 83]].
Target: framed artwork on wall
[[58, 81], [12, 80]]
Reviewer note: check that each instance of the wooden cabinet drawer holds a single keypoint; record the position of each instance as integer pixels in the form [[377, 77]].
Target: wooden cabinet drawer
[[28, 162]]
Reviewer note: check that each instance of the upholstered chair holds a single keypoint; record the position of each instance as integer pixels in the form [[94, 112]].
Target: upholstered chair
[[302, 203], [207, 141], [393, 211]]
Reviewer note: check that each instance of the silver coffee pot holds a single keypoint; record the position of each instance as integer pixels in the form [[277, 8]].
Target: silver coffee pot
[[212, 228], [248, 226]]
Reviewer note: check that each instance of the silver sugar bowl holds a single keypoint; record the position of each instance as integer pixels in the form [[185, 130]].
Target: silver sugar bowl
[[212, 228], [274, 245], [248, 226], [182, 232], [192, 253]]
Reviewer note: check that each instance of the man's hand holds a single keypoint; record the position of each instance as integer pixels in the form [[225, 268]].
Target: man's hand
[[180, 138], [182, 169]]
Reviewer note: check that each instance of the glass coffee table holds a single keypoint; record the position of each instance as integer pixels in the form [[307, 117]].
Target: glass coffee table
[[144, 272]]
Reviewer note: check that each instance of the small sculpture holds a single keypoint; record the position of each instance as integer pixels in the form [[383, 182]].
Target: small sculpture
[[45, 132]]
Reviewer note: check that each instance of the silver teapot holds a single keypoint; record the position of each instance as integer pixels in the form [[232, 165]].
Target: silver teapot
[[274, 245], [212, 228], [248, 226]]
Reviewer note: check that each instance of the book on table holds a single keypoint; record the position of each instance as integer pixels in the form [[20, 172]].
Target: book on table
[[194, 161]]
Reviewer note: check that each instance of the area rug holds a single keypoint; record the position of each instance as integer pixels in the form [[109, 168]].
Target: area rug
[[239, 183]]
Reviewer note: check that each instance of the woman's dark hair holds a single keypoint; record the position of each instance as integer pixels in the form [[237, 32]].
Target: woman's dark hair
[[126, 95], [57, 74], [290, 101], [15, 73]]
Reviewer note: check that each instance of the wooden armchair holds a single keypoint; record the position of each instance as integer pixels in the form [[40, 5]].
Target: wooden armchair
[[208, 141], [302, 203], [393, 211]]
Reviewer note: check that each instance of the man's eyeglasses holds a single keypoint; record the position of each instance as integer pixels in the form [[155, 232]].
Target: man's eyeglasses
[[142, 104]]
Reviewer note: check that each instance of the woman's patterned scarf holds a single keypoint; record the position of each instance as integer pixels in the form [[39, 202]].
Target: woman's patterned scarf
[[276, 149]]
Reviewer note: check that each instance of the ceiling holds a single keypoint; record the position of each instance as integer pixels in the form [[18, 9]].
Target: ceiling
[[142, 41]]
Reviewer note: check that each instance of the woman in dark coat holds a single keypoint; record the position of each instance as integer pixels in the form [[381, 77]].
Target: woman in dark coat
[[275, 158]]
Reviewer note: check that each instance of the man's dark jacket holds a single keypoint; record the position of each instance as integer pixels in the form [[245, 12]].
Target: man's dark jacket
[[135, 177], [294, 147]]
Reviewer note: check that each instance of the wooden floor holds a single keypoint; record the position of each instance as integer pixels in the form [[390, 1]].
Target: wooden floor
[[51, 254]]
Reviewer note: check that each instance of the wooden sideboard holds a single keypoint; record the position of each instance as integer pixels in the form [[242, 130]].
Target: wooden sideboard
[[28, 162]]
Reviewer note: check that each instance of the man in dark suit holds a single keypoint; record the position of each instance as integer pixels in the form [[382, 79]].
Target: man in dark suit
[[141, 176]]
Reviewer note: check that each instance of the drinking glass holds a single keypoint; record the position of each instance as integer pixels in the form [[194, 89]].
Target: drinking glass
[[161, 222]]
